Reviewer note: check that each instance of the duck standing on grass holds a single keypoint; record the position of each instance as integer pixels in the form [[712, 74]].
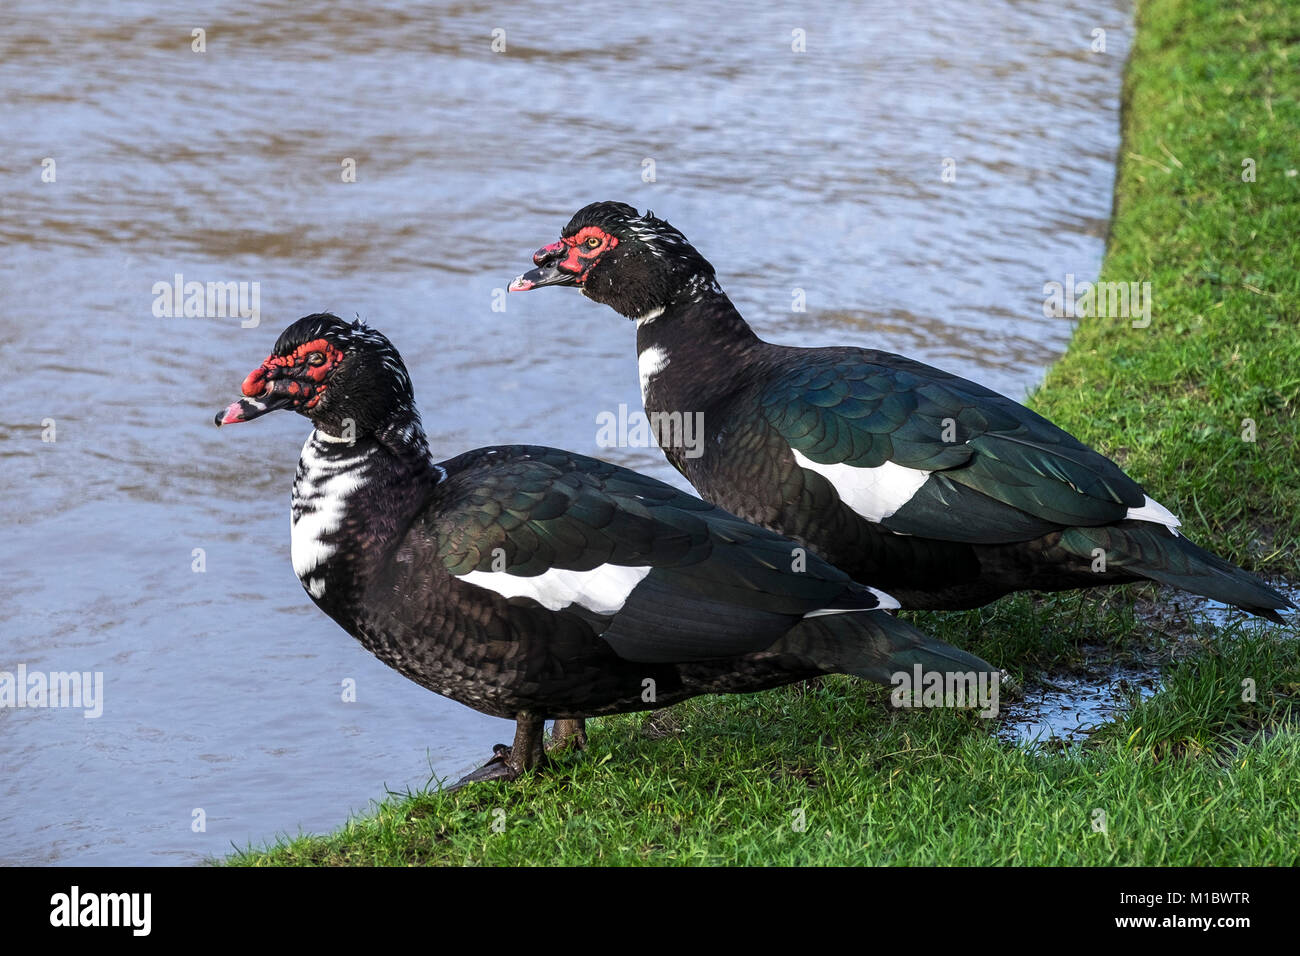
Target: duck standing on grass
[[942, 492], [532, 583]]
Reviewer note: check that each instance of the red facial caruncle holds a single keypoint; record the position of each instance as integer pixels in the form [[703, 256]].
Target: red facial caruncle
[[304, 371], [582, 249], [568, 261]]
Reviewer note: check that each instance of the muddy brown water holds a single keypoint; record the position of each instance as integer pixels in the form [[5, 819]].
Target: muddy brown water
[[131, 158]]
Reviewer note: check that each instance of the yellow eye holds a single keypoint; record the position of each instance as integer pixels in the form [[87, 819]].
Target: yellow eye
[[592, 243], [315, 358]]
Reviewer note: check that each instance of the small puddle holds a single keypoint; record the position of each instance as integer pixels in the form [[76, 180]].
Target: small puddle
[[1186, 613], [1060, 710]]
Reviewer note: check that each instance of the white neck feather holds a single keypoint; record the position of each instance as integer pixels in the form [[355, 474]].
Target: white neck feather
[[327, 477]]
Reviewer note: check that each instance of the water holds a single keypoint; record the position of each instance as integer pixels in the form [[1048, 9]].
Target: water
[[1067, 708], [818, 170]]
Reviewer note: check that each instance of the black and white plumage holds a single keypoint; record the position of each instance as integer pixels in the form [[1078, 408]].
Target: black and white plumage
[[941, 491], [533, 583]]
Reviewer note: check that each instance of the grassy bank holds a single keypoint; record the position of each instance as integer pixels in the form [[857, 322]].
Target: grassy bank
[[1210, 86], [1193, 775]]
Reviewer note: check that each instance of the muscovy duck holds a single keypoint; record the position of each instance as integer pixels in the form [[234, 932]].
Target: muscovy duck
[[533, 583], [942, 492]]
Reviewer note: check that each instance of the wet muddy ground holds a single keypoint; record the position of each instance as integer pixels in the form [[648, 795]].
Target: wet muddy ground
[[1061, 709]]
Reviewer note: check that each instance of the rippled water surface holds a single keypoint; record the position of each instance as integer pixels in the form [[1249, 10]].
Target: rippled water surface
[[817, 170]]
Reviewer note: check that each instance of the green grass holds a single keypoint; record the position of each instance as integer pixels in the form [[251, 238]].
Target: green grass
[[1195, 774], [1210, 84]]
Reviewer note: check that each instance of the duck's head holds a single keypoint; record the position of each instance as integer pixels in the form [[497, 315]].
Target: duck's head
[[631, 262], [346, 377]]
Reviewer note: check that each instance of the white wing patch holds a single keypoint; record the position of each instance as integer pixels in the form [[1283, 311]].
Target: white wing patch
[[1153, 510], [603, 590], [650, 363], [887, 603], [875, 493]]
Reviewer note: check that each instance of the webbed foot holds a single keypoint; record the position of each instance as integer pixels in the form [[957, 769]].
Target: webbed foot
[[507, 763], [568, 734]]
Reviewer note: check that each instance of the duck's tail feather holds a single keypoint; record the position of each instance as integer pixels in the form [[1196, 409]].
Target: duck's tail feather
[[1155, 552], [876, 646]]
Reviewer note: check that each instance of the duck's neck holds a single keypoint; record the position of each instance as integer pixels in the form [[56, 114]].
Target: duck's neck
[[352, 501], [687, 348]]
